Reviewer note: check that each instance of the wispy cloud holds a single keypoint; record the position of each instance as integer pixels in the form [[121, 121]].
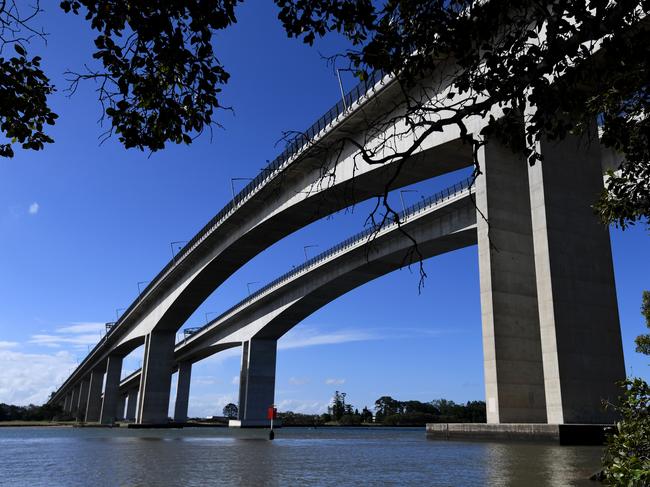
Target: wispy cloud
[[80, 335], [85, 327], [334, 382], [304, 406], [297, 381], [235, 380], [55, 341], [33, 208], [5, 344], [29, 378], [311, 336]]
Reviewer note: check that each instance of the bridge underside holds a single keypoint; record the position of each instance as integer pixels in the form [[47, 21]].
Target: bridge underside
[[551, 334]]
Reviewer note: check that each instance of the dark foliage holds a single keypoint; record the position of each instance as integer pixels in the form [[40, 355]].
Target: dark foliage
[[46, 412]]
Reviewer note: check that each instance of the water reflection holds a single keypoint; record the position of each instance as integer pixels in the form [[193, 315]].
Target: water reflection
[[323, 457]]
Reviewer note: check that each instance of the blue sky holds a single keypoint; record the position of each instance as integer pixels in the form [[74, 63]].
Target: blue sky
[[82, 223]]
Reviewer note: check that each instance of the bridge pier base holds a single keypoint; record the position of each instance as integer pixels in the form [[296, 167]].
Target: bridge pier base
[[131, 404], [512, 354], [94, 400], [580, 331], [155, 382], [182, 392], [256, 383], [111, 390]]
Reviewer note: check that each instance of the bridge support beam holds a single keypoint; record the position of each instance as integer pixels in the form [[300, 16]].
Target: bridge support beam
[[111, 390], [182, 392], [94, 401], [131, 404], [256, 383], [83, 399], [155, 382], [580, 330], [512, 354]]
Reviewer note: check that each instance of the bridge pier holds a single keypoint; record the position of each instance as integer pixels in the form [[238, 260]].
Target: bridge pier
[[256, 382], [121, 406], [83, 399], [94, 400], [131, 404], [108, 413], [512, 354], [75, 399], [67, 402], [155, 382], [182, 391], [580, 330]]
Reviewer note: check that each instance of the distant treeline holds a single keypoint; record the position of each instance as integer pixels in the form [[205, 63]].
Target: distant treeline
[[46, 412], [390, 412]]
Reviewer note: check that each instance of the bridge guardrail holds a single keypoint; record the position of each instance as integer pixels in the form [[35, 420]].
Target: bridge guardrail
[[403, 216], [275, 166]]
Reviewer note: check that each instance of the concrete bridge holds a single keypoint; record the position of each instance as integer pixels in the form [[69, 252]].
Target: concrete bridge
[[552, 347]]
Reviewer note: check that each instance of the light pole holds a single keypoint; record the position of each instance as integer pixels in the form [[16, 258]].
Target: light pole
[[139, 284], [304, 249], [338, 75], [248, 286], [172, 244], [401, 197], [232, 184], [209, 313], [117, 313]]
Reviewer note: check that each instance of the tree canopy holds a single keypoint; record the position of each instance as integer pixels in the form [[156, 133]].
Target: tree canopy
[[551, 68]]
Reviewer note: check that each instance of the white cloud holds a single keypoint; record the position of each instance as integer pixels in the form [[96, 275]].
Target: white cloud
[[297, 381], [203, 405], [334, 382], [5, 344], [33, 208], [79, 335], [307, 406], [29, 378], [55, 341], [235, 380], [85, 327], [308, 337]]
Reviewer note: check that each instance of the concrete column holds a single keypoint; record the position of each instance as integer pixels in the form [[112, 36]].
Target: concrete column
[[121, 406], [67, 402], [512, 354], [131, 405], [580, 331], [182, 392], [83, 398], [111, 390], [155, 382], [94, 401], [257, 382], [75, 399]]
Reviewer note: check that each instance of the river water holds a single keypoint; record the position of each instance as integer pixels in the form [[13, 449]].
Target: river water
[[298, 456]]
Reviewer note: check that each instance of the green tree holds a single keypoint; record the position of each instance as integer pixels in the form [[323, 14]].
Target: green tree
[[160, 79], [231, 411], [338, 407], [643, 341], [627, 458]]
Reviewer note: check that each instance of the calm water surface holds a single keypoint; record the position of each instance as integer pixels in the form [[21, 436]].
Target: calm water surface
[[297, 457]]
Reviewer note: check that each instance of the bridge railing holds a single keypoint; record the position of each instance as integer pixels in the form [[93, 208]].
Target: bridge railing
[[402, 217], [293, 147]]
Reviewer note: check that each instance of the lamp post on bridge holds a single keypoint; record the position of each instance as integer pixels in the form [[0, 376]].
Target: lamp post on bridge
[[248, 286], [304, 249], [401, 197], [232, 184], [176, 243]]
